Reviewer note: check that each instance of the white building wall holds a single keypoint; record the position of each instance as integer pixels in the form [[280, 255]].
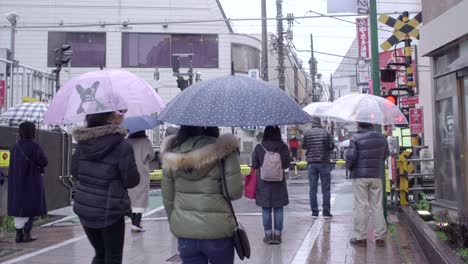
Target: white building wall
[[31, 43]]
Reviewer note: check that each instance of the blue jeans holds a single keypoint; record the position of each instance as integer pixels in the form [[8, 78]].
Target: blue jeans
[[322, 170], [278, 212], [200, 251]]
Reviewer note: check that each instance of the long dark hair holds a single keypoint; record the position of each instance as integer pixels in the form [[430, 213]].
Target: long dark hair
[[139, 134], [185, 132], [27, 130], [211, 131], [272, 133], [99, 119]]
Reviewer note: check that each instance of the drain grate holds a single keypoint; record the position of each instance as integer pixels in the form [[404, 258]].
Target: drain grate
[[7, 251], [175, 258]]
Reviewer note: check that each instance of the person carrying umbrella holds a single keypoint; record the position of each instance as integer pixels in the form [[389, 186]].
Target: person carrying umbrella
[[271, 195], [26, 195], [104, 166], [319, 145], [139, 195], [365, 158], [194, 164]]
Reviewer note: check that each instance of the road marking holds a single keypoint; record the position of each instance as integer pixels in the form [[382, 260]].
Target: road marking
[[64, 243], [309, 240], [44, 250]]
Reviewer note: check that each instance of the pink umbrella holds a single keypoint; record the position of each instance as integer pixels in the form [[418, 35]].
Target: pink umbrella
[[102, 91]]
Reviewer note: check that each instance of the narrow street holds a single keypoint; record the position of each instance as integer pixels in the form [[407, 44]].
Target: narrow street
[[304, 240]]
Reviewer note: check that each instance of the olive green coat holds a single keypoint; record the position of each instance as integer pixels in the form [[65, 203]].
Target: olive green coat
[[192, 189]]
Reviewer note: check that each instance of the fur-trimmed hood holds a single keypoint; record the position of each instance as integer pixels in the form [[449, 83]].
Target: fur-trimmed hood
[[84, 133], [203, 153], [97, 142]]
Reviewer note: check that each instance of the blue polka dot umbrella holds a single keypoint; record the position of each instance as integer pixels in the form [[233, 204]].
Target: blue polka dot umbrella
[[233, 101]]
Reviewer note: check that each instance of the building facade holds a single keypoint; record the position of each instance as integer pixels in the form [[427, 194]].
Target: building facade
[[138, 35], [444, 40]]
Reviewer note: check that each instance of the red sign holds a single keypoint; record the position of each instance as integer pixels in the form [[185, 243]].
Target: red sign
[[363, 37], [398, 56], [2, 93], [416, 121], [409, 100]]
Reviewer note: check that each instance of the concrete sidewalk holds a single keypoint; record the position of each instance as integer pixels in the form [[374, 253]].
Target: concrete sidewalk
[[304, 240]]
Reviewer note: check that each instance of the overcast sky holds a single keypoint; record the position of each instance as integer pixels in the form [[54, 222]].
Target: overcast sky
[[330, 35]]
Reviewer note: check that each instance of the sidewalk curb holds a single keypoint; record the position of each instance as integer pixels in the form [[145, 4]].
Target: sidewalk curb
[[436, 251]]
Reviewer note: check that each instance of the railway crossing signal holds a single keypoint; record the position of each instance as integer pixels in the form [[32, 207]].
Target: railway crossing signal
[[402, 28]]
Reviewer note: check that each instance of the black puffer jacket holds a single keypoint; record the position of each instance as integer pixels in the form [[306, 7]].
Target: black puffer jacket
[[366, 155], [318, 143], [104, 165], [271, 194]]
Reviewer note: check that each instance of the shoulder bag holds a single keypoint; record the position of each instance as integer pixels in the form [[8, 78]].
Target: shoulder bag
[[241, 241]]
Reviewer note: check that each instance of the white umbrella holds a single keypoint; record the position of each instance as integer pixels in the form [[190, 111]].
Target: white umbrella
[[317, 108], [366, 108]]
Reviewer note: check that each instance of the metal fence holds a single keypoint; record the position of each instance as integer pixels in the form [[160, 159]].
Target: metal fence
[[23, 83]]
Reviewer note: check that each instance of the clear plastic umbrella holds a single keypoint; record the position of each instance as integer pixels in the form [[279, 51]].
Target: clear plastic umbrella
[[317, 108], [366, 108]]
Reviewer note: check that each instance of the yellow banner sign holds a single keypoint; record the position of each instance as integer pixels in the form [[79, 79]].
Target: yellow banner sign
[[4, 158], [27, 99]]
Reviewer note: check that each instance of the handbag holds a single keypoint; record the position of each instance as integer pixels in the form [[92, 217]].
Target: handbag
[[41, 169], [241, 241], [250, 183]]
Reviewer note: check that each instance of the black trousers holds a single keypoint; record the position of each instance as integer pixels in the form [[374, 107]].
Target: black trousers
[[108, 243]]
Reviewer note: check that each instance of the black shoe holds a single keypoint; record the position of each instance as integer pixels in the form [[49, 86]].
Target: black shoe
[[19, 236], [277, 237], [314, 215], [327, 215], [136, 223], [268, 239], [27, 231]]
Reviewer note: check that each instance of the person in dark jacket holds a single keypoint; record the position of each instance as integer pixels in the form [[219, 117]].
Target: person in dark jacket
[[319, 144], [271, 195], [104, 166], [365, 158], [26, 195]]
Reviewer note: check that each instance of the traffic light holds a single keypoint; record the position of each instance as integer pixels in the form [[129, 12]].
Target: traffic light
[[182, 83], [391, 98], [63, 55]]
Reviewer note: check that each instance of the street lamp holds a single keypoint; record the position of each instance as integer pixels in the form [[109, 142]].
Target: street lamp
[[13, 19]]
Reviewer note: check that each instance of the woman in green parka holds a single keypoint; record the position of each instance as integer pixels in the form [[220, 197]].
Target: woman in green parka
[[195, 203]]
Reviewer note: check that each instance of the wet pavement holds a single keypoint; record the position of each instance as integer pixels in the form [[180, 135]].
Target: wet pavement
[[304, 240]]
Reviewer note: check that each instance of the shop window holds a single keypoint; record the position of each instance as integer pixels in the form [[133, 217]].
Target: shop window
[[245, 57], [154, 50], [89, 48]]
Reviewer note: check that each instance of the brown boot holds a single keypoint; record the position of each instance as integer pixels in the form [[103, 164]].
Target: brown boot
[[380, 242], [358, 242]]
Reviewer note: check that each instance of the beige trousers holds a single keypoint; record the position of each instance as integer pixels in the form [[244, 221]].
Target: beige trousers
[[367, 193]]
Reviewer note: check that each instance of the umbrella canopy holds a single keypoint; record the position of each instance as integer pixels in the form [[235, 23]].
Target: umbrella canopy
[[366, 108], [102, 91], [139, 123], [32, 112], [233, 101], [317, 108]]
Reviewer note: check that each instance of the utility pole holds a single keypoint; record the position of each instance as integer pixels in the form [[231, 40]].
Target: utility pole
[[280, 44], [312, 67], [264, 43], [376, 77], [332, 93]]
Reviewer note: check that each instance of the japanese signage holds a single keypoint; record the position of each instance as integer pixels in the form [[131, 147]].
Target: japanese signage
[[348, 6], [416, 121], [398, 56], [362, 25], [4, 158], [409, 101], [2, 93], [363, 70]]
